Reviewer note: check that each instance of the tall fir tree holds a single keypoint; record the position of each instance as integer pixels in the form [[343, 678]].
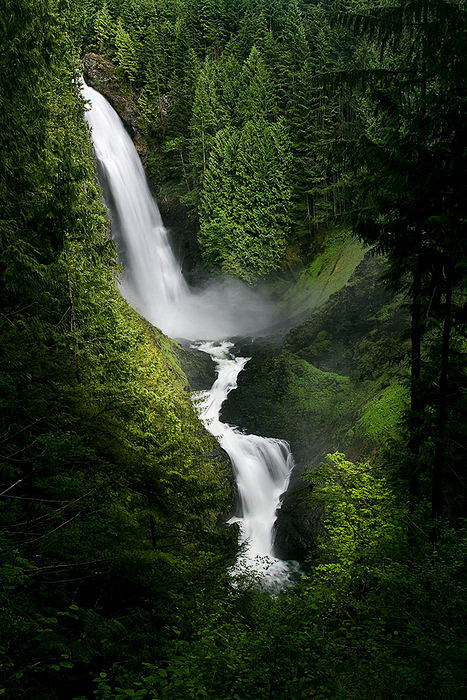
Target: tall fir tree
[[126, 54], [206, 120], [245, 203], [104, 30], [256, 97]]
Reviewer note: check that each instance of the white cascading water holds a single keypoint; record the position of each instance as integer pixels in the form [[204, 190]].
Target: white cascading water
[[153, 283], [262, 467]]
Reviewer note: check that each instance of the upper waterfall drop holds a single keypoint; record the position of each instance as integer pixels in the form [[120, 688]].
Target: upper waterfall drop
[[152, 280], [152, 274]]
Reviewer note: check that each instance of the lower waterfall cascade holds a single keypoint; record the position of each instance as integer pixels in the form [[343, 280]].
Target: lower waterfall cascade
[[153, 283], [262, 468]]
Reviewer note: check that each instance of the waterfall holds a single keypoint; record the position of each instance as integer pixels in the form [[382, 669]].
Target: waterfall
[[262, 468], [153, 283], [151, 270]]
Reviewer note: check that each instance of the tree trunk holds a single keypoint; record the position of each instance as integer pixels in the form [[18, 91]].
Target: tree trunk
[[440, 447], [415, 403]]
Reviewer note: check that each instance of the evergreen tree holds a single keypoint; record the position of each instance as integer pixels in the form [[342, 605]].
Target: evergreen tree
[[245, 203], [126, 54], [292, 51], [253, 29], [412, 184], [104, 30], [229, 87], [256, 92], [205, 121], [212, 26], [217, 227], [155, 79], [113, 568]]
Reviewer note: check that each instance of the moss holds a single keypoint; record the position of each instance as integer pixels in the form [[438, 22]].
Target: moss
[[170, 349], [330, 270], [382, 416], [288, 397], [337, 336]]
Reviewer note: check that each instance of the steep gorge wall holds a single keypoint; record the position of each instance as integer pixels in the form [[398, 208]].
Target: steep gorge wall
[[319, 387]]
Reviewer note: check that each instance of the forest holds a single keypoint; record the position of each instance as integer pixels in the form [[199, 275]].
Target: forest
[[314, 150]]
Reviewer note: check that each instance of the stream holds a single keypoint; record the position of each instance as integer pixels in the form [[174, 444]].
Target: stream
[[153, 283]]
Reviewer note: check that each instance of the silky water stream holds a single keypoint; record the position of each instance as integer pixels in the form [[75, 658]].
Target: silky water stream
[[153, 283]]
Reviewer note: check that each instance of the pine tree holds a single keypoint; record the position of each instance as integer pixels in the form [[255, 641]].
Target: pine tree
[[256, 90], [245, 203], [291, 52], [104, 30], [253, 30], [212, 25], [229, 87], [185, 67], [262, 195], [155, 79], [126, 53], [205, 121], [412, 184], [216, 225]]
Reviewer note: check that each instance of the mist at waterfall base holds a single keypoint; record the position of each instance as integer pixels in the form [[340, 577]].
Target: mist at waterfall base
[[154, 285]]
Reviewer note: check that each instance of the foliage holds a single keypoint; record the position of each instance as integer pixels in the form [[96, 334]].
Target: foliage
[[382, 417], [126, 55], [412, 203], [205, 69], [244, 206], [358, 624]]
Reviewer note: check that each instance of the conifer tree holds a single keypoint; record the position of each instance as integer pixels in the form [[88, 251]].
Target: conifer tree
[[245, 203], [257, 94], [104, 29], [155, 79], [212, 24], [126, 54], [205, 120], [291, 51], [412, 184], [229, 87], [218, 229], [253, 29]]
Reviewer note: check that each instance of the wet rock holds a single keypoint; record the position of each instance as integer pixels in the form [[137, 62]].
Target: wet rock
[[198, 366], [297, 526]]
